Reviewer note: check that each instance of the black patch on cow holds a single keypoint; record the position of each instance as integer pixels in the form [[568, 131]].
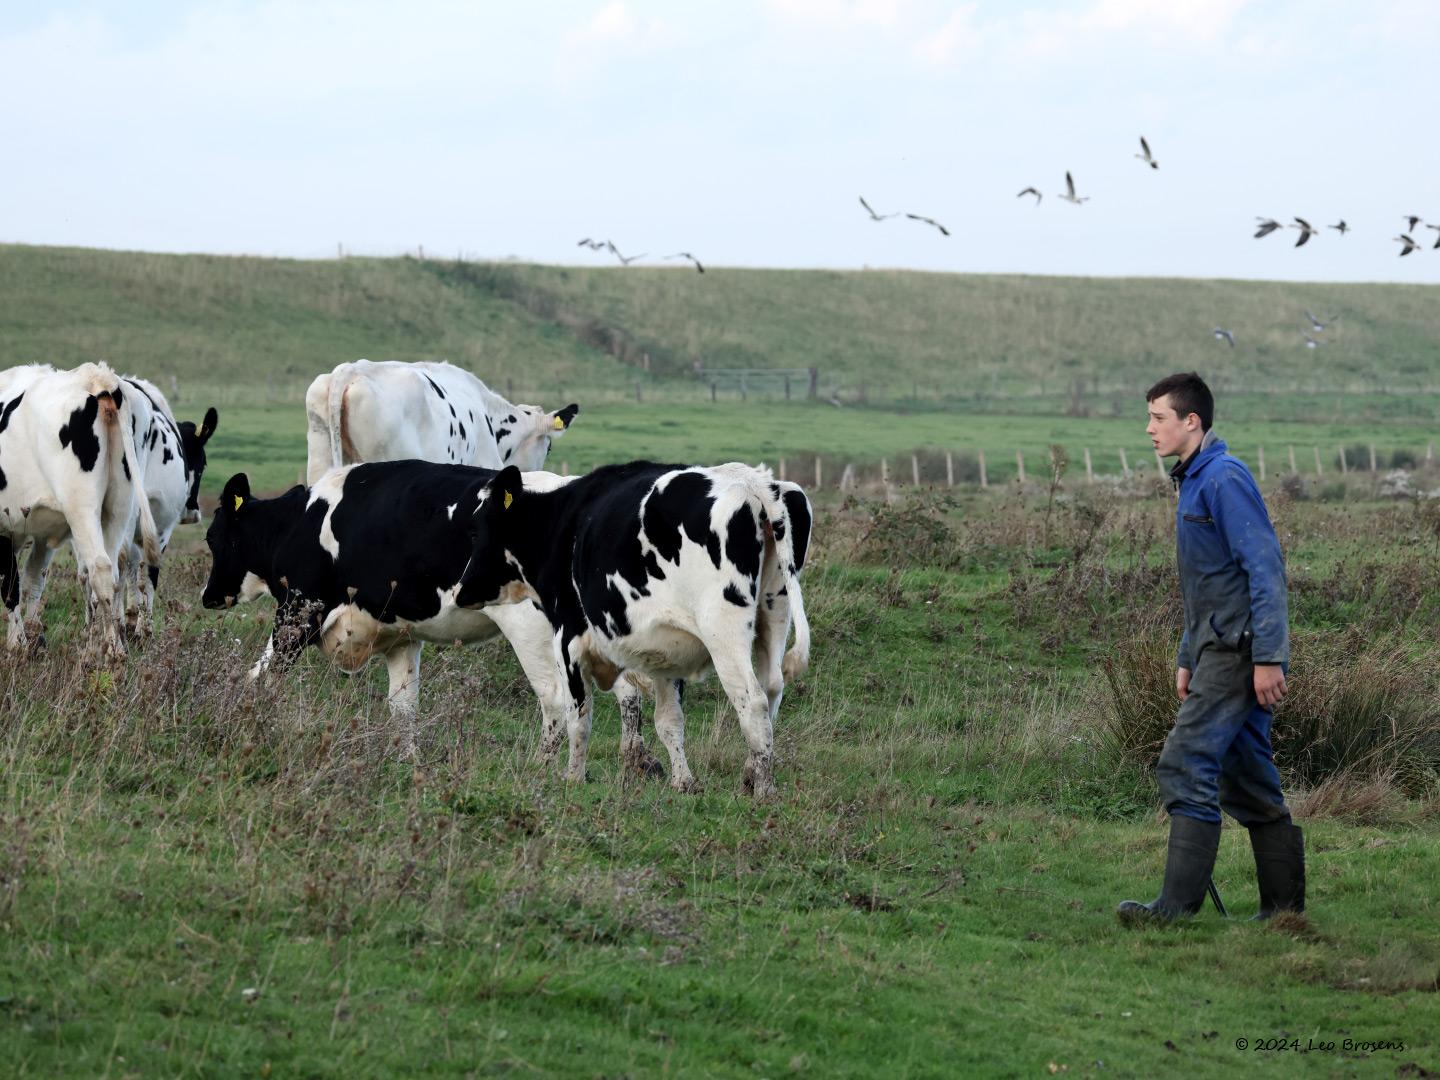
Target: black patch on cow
[[166, 457], [125, 465], [436, 388], [8, 409], [510, 418], [683, 505], [507, 455], [9, 569], [462, 429], [3, 483], [735, 596], [154, 437], [470, 413], [797, 506], [777, 527], [743, 546], [500, 433], [78, 433], [452, 412], [452, 431], [154, 572], [490, 428]]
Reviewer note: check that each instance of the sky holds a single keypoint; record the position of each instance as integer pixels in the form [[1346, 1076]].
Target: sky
[[743, 132]]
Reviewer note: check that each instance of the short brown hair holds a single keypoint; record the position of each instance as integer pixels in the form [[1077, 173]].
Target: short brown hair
[[1188, 394]]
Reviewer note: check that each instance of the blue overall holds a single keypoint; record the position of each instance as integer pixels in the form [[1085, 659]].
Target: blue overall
[[1232, 579]]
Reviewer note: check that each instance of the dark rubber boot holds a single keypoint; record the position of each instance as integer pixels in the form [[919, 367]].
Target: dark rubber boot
[[1279, 866], [1191, 859]]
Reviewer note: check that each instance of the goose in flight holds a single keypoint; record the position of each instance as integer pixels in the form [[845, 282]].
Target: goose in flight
[[687, 255], [874, 216], [1437, 229], [929, 221], [1147, 157], [1341, 228], [623, 260], [1410, 244], [1031, 191], [1316, 323], [1069, 195], [1221, 334], [1413, 219], [1306, 230], [1267, 226], [593, 245]]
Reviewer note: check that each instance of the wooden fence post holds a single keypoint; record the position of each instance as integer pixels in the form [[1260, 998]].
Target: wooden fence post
[[1293, 467], [782, 470], [1124, 464], [1159, 465], [885, 478], [1372, 457], [1089, 472], [1319, 469], [949, 469], [564, 468], [713, 388], [817, 474], [1020, 464], [744, 389], [787, 387], [637, 391], [510, 389], [1344, 465], [1262, 463], [915, 470], [814, 390], [984, 480]]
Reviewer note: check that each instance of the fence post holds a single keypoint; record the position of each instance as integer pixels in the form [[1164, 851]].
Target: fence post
[[1429, 454], [787, 387], [1319, 469], [814, 390], [1089, 472], [637, 390], [949, 469], [510, 389], [847, 478], [817, 473], [1124, 464], [1262, 463], [564, 468], [744, 388], [713, 387], [1372, 457], [1020, 464], [782, 470], [1159, 465], [1344, 465], [984, 480], [915, 469], [1292, 460]]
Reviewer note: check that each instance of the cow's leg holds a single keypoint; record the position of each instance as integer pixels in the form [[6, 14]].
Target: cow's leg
[[317, 430], [98, 572], [10, 593], [670, 727], [403, 662], [577, 721], [30, 596], [730, 643], [634, 754], [533, 639]]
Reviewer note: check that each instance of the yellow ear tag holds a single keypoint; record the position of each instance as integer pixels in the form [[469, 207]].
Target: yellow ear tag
[[238, 500], [559, 424], [508, 500]]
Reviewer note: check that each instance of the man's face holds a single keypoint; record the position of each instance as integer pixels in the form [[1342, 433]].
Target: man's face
[[1169, 433]]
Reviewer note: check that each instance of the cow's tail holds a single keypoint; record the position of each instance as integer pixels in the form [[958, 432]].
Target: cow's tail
[[797, 660], [788, 511], [339, 383], [123, 440]]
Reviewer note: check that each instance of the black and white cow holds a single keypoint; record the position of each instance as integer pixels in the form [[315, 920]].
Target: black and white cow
[[173, 461], [365, 563], [662, 570], [69, 471], [392, 410]]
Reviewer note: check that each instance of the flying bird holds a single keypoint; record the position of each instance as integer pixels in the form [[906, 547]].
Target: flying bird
[[1147, 157], [1267, 226], [1221, 334], [1316, 323], [1310, 342], [1306, 230], [1437, 229], [1341, 228], [1410, 244], [874, 216], [1413, 219], [1031, 191], [1070, 195], [593, 245], [623, 260], [929, 221], [687, 255]]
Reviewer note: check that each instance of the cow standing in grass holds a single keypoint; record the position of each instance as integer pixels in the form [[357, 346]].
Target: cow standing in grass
[[69, 471], [391, 410], [662, 570]]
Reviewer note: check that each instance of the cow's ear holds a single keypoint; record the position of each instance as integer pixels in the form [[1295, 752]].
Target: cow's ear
[[207, 426], [504, 489], [236, 493], [563, 418]]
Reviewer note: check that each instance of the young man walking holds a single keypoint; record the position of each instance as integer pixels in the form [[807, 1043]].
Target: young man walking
[[1230, 671]]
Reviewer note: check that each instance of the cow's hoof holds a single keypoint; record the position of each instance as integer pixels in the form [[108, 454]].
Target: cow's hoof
[[687, 785], [758, 781]]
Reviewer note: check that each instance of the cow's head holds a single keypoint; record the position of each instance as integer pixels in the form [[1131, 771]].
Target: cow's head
[[492, 575], [524, 434], [228, 563], [192, 443]]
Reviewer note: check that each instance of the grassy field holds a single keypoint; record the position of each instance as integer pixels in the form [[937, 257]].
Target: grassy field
[[249, 330], [201, 876]]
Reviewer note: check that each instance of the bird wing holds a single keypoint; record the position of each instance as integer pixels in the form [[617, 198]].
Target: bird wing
[[929, 221], [1413, 219], [1266, 228], [1069, 183], [1145, 146], [866, 205], [1305, 224], [1304, 238]]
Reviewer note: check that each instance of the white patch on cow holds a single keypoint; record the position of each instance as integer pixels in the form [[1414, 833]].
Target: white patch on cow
[[329, 489], [450, 511], [252, 588]]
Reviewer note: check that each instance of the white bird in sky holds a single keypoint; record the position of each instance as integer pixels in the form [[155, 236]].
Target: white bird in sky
[[1306, 230], [873, 215], [1147, 157], [1069, 194], [1408, 241]]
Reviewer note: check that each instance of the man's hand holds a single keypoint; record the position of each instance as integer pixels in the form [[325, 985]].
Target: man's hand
[[1182, 682], [1269, 684]]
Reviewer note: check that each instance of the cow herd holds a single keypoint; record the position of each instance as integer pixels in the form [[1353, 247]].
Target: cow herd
[[426, 516]]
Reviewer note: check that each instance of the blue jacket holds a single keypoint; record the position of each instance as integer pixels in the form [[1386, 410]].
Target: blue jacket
[[1232, 574]]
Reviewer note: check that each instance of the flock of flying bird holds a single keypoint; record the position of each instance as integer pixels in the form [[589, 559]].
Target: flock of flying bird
[[1407, 242]]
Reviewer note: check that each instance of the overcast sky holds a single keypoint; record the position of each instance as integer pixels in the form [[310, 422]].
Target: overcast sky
[[742, 131]]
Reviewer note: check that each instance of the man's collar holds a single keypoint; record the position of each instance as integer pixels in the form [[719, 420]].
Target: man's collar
[[1183, 466]]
